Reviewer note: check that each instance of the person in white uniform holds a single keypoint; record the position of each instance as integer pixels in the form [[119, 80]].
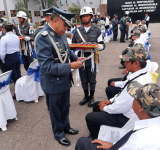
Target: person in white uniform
[[145, 134]]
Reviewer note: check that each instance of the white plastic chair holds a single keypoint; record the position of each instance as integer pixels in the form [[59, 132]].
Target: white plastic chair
[[151, 67], [113, 134], [27, 88], [7, 107]]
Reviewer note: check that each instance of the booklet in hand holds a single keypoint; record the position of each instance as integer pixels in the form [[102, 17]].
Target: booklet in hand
[[89, 57]]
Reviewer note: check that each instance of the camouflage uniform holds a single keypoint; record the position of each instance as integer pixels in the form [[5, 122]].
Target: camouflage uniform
[[138, 52], [148, 96], [143, 29]]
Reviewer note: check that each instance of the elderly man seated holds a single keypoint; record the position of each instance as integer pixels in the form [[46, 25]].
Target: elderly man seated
[[144, 34], [118, 110], [136, 37], [145, 135], [144, 23]]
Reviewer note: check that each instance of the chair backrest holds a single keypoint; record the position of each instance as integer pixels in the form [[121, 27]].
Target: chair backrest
[[130, 124], [34, 64], [154, 67], [4, 77]]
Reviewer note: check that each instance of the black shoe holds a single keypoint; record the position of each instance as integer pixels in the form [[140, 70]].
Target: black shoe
[[64, 141], [122, 67], [127, 38], [84, 100], [14, 97], [91, 102], [72, 131]]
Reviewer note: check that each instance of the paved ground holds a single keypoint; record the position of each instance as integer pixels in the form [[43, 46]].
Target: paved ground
[[33, 129]]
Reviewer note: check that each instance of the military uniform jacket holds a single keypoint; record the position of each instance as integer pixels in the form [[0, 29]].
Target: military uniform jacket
[[123, 22], [91, 36], [24, 30], [55, 77], [115, 23]]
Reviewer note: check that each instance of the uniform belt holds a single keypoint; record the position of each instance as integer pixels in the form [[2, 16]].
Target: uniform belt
[[12, 53]]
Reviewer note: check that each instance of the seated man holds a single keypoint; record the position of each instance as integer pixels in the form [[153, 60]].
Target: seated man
[[144, 34], [136, 37], [144, 23], [138, 24], [69, 37], [145, 135], [118, 110]]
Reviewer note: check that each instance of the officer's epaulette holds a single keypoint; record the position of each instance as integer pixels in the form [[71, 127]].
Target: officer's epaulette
[[41, 27], [44, 33]]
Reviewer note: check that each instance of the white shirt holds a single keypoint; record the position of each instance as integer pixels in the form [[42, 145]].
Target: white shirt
[[144, 37], [107, 21], [69, 40], [147, 18], [139, 40], [10, 44], [120, 84], [123, 103], [147, 138]]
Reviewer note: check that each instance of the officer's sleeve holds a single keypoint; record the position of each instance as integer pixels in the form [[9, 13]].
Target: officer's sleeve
[[17, 32], [46, 59], [73, 57], [113, 22], [74, 40], [3, 48]]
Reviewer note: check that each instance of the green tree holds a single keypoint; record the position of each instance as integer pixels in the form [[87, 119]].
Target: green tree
[[20, 6], [74, 9], [45, 3]]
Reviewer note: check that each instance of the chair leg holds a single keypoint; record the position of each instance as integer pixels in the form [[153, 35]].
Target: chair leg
[[36, 101], [16, 118], [4, 128]]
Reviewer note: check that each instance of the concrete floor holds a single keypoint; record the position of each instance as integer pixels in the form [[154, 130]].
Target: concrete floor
[[33, 129]]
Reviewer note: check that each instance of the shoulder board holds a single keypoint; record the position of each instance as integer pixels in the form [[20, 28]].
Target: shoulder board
[[44, 33]]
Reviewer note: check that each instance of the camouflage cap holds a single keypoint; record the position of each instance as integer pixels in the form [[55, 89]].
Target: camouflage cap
[[136, 32], [143, 29], [139, 29], [138, 21], [143, 22], [7, 24], [140, 46], [137, 52], [148, 96]]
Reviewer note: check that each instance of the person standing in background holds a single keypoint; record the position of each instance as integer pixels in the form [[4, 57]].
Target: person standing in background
[[9, 51], [123, 27], [147, 18], [115, 27], [129, 20], [25, 30]]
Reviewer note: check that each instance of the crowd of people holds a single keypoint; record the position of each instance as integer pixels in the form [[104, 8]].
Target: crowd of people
[[135, 93]]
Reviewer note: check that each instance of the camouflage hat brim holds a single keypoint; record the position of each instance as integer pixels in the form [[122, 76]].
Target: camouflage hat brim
[[132, 88], [148, 96]]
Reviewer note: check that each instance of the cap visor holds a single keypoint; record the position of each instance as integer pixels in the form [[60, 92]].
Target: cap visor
[[132, 88]]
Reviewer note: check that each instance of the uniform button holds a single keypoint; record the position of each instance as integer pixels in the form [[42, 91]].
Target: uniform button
[[57, 78]]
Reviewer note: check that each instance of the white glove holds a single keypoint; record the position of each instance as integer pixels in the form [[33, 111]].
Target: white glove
[[27, 38], [100, 47]]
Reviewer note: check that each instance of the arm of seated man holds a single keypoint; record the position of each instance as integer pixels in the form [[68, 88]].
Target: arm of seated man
[[103, 104], [104, 145]]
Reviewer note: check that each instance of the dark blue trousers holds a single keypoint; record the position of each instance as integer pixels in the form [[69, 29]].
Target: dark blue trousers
[[58, 105], [12, 62], [2, 66], [122, 35]]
